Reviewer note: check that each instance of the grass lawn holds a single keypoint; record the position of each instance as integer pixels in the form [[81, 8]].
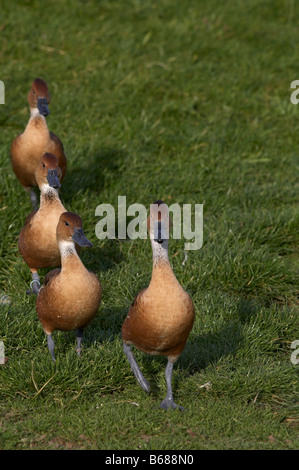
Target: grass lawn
[[188, 102]]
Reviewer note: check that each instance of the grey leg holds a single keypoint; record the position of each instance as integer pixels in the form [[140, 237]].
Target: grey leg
[[34, 284], [135, 368], [51, 346], [79, 334], [33, 198], [168, 400]]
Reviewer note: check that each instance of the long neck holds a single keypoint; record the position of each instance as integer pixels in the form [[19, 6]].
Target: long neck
[[161, 265], [160, 252], [70, 259], [163, 276]]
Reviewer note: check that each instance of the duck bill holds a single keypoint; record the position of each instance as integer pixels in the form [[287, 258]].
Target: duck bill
[[53, 179], [43, 106], [159, 233], [80, 238]]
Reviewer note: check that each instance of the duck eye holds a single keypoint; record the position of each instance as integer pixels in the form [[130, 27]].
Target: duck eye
[[44, 166], [67, 224], [33, 91]]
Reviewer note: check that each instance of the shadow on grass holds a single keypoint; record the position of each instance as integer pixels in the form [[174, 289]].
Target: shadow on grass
[[92, 173], [247, 309], [225, 341], [103, 258], [105, 328]]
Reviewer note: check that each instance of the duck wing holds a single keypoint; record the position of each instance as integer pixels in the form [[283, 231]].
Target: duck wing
[[51, 275]]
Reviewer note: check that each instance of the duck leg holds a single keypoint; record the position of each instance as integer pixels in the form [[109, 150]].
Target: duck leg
[[33, 198], [168, 401], [34, 284], [79, 335], [135, 368], [51, 345]]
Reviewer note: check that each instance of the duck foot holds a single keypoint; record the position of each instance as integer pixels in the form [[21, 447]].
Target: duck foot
[[168, 401]]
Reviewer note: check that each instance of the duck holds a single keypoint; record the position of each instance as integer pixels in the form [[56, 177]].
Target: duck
[[70, 296], [37, 239], [28, 147], [161, 316]]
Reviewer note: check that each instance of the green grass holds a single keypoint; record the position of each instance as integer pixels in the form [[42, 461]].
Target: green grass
[[187, 102]]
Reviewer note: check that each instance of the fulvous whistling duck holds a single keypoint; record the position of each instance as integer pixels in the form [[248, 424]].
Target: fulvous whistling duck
[[70, 296], [37, 240], [28, 147], [161, 316]]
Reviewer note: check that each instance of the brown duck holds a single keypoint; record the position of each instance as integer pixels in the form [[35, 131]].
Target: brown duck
[[28, 147], [70, 296], [37, 240], [161, 317]]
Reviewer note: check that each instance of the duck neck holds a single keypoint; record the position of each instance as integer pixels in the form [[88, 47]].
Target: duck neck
[[160, 253], [70, 259], [37, 122], [48, 195], [160, 261], [162, 273], [34, 113]]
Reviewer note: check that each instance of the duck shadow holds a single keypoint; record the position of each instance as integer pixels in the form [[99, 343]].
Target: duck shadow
[[209, 348], [101, 259], [88, 177], [104, 328], [107, 325], [92, 173]]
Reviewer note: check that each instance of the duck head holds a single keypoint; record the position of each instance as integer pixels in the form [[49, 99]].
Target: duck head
[[69, 230], [39, 97], [48, 173]]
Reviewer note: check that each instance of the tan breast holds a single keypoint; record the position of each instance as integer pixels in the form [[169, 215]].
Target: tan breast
[[162, 317], [70, 301]]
